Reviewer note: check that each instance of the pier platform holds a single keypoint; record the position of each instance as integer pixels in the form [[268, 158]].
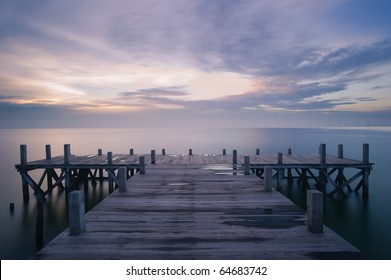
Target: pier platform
[[197, 211]]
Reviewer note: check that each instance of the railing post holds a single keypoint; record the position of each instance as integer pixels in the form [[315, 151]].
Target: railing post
[[142, 165], [314, 211], [23, 161], [76, 213], [234, 156], [153, 157], [67, 154], [48, 152], [246, 165], [122, 179], [268, 179]]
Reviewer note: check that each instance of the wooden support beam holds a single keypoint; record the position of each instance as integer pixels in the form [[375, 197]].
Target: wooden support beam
[[76, 213], [314, 211]]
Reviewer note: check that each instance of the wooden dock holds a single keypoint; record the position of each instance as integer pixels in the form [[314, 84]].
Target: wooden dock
[[196, 206], [197, 211]]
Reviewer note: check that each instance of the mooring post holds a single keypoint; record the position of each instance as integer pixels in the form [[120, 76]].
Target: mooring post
[[234, 156], [366, 171], [67, 171], [314, 211], [224, 152], [100, 153], [122, 178], [23, 161], [110, 162], [153, 157], [268, 179], [142, 165], [322, 171], [246, 165], [76, 213], [280, 175], [48, 152], [340, 150], [257, 152], [163, 152], [190, 152]]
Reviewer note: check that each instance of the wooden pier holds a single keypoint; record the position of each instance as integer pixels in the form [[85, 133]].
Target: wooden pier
[[197, 206]]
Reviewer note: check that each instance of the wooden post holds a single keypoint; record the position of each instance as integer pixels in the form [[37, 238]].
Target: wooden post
[[322, 152], [268, 179], [131, 152], [122, 179], [110, 162], [280, 175], [366, 171], [76, 213], [289, 151], [100, 153], [246, 165], [258, 151], [224, 152], [142, 165], [340, 151], [67, 171], [48, 151], [314, 211], [190, 152], [289, 171], [365, 153], [234, 156], [23, 161], [163, 152], [153, 157]]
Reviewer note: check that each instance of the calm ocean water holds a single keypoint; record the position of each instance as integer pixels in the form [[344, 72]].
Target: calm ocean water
[[365, 225]]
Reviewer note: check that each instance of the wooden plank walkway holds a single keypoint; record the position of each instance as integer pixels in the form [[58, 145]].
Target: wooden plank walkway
[[184, 208]]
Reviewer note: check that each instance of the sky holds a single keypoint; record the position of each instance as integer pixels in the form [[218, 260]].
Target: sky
[[195, 63]]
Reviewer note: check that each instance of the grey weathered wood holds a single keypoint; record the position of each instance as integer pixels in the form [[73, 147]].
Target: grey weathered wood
[[153, 157], [76, 213], [100, 152], [365, 153], [234, 156], [246, 165], [340, 151], [142, 165], [315, 211], [48, 151], [189, 212], [23, 161], [122, 179], [322, 152], [67, 153], [268, 179]]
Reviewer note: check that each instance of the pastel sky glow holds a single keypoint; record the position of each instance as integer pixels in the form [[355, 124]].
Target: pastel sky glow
[[196, 63]]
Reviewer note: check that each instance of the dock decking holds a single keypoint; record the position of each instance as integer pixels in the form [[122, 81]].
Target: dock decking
[[194, 210]]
